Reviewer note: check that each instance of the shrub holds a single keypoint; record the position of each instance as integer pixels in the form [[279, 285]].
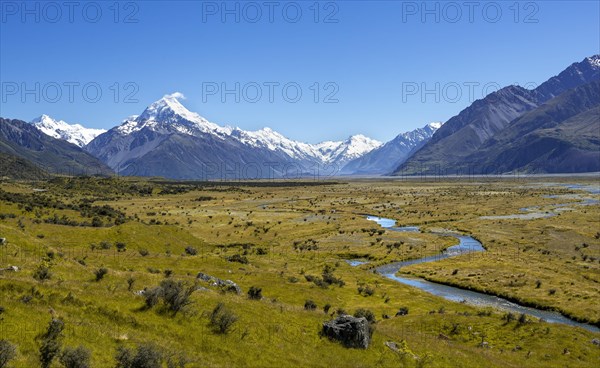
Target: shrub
[[121, 247], [509, 317], [42, 272], [310, 305], [522, 319], [144, 252], [403, 311], [361, 312], [237, 258], [100, 273], [176, 294], [222, 319], [152, 296], [261, 251], [255, 293], [326, 308], [368, 291], [97, 222], [7, 353], [130, 282], [75, 357], [145, 356], [189, 250], [329, 278], [51, 342]]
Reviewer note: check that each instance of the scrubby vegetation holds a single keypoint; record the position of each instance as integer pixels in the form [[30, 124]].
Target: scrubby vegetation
[[116, 262]]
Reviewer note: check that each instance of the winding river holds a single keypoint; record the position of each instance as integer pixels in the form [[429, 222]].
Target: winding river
[[466, 245]]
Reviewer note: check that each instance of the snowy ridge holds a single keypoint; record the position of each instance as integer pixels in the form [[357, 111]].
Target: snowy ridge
[[72, 133], [168, 115], [594, 61], [385, 158]]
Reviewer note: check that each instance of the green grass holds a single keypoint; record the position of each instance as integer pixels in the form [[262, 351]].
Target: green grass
[[277, 331]]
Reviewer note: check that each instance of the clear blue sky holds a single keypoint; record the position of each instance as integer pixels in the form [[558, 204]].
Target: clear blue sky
[[374, 51]]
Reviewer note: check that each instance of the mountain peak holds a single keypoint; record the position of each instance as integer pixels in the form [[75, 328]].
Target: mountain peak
[[169, 115], [594, 61], [72, 133], [167, 107]]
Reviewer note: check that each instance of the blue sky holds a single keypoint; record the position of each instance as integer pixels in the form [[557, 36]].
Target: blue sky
[[362, 67]]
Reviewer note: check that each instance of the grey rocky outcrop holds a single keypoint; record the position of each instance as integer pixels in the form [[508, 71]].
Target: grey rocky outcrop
[[351, 331], [226, 285]]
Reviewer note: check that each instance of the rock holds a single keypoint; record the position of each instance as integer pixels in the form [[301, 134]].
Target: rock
[[441, 336], [385, 316], [2, 241], [352, 332], [596, 342], [225, 285], [231, 286], [392, 345], [204, 277], [10, 269]]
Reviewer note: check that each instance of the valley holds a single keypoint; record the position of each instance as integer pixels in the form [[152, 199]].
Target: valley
[[90, 251]]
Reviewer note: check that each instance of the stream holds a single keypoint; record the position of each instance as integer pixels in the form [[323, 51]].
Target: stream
[[466, 245]]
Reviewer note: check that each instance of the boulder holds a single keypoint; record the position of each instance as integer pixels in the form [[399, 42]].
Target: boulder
[[352, 332], [225, 285]]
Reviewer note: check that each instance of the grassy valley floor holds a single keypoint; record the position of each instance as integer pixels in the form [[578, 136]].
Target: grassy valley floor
[[289, 239]]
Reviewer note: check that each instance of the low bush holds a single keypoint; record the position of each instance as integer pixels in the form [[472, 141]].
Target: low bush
[[78, 357], [310, 305], [100, 273], [191, 251], [255, 293], [222, 319], [238, 258], [51, 342], [145, 356], [362, 312], [7, 353]]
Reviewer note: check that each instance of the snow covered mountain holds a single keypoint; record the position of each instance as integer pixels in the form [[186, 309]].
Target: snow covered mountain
[[75, 133], [169, 140], [338, 153], [382, 160]]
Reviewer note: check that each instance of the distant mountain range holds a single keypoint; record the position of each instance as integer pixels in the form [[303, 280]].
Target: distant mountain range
[[23, 141], [384, 159], [550, 129], [465, 142], [166, 132]]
